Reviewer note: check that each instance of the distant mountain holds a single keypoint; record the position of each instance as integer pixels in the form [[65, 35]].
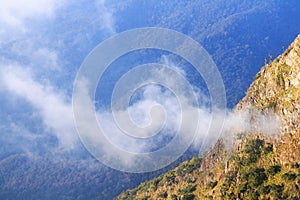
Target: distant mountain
[[238, 34], [258, 166], [24, 176]]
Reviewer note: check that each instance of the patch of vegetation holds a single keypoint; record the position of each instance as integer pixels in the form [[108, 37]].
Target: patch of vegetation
[[289, 176], [187, 189], [188, 197], [272, 170], [242, 188], [211, 184], [276, 191], [253, 150], [174, 197], [163, 195], [263, 190], [256, 177], [295, 165], [188, 167], [230, 177], [268, 149], [170, 178]]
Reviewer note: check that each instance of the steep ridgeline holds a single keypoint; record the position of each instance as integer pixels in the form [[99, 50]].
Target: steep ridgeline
[[277, 87], [258, 166]]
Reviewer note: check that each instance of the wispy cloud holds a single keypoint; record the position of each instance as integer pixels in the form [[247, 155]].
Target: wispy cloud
[[107, 21], [55, 111], [32, 63], [14, 12], [178, 117], [53, 107], [18, 17]]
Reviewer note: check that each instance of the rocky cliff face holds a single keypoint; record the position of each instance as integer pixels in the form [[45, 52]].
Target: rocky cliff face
[[277, 87], [259, 166]]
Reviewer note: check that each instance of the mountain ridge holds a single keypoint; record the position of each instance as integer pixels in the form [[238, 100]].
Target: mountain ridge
[[258, 166]]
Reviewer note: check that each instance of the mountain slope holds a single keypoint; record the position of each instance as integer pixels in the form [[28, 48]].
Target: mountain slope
[[259, 166]]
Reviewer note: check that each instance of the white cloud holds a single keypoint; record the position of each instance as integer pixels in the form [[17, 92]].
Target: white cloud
[[39, 57], [19, 18], [155, 111], [207, 133], [52, 106], [15, 12], [56, 113], [29, 62], [107, 21], [45, 58], [178, 119]]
